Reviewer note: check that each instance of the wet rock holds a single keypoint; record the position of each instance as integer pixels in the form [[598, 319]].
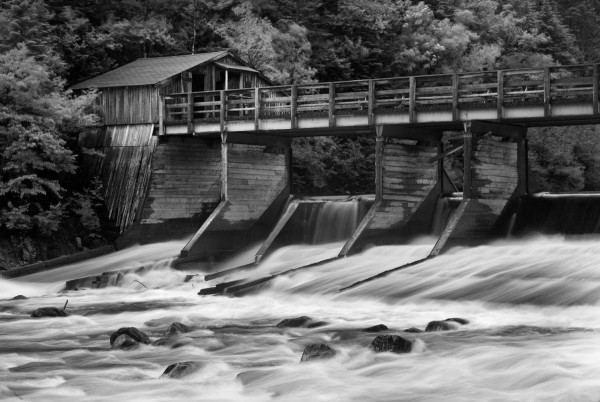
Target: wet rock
[[175, 329], [300, 322], [413, 330], [132, 332], [317, 351], [435, 326], [173, 342], [101, 281], [20, 297], [124, 341], [294, 322], [376, 328], [390, 343], [178, 370], [460, 321], [49, 312]]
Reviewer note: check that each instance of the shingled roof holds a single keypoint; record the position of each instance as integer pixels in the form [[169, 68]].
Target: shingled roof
[[148, 71]]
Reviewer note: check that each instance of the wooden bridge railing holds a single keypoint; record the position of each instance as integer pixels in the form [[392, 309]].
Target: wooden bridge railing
[[489, 89]]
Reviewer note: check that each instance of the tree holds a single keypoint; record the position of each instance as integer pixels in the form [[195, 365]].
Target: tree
[[34, 160]]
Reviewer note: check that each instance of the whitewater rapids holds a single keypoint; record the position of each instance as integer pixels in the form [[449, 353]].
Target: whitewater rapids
[[533, 307]]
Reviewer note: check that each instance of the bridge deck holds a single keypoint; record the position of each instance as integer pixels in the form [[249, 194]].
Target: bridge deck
[[531, 97]]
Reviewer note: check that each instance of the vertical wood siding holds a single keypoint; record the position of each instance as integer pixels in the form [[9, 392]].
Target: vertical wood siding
[[123, 167]]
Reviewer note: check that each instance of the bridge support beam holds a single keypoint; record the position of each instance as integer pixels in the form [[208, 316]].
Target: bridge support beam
[[255, 185], [409, 181], [495, 178]]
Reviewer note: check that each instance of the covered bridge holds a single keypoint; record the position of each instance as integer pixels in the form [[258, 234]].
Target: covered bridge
[[142, 181]]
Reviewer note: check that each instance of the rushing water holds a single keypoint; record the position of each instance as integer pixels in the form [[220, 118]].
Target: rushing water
[[534, 331]]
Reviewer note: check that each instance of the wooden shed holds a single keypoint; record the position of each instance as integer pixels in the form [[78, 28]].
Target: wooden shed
[[179, 179], [130, 94]]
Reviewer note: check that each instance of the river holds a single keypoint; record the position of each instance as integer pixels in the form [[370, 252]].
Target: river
[[533, 335]]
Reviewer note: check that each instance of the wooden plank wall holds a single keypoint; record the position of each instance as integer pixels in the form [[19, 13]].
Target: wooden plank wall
[[186, 180], [408, 177], [130, 105], [123, 167], [256, 175], [494, 180], [494, 168]]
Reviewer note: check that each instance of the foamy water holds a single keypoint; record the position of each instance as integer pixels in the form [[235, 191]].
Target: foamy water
[[534, 331]]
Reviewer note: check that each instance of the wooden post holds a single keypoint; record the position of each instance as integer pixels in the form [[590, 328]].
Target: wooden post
[[224, 167], [547, 92], [223, 111], [412, 101], [226, 80], [190, 113], [256, 108], [331, 104], [190, 103], [294, 107], [455, 113], [500, 99], [371, 100], [161, 111], [440, 163], [595, 91], [379, 163], [468, 154], [522, 166]]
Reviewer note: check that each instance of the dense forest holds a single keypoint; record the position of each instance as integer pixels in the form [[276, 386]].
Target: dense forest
[[48, 45]]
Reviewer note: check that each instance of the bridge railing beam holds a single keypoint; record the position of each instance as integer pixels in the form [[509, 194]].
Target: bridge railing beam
[[410, 97]]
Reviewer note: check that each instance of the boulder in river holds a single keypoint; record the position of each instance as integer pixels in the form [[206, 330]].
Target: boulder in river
[[317, 351], [436, 326], [181, 369], [300, 322], [376, 328], [124, 341], [49, 312], [173, 341], [413, 330], [390, 343], [175, 329], [458, 320], [133, 333], [20, 297]]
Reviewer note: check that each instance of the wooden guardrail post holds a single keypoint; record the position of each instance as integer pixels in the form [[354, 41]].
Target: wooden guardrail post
[[331, 104], [294, 107], [595, 90], [371, 100], [223, 117], [547, 92], [412, 101], [256, 108], [500, 96]]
